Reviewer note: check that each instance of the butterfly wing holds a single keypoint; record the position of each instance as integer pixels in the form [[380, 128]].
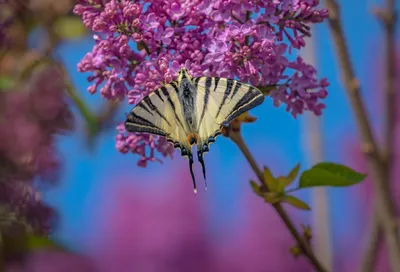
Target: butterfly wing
[[219, 101], [159, 113]]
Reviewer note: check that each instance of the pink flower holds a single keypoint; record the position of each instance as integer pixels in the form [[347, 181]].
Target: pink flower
[[164, 35], [149, 22]]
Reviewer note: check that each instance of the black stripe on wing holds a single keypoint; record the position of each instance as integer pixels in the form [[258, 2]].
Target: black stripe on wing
[[171, 103], [252, 98], [228, 90], [237, 87], [141, 105], [206, 96], [157, 92], [152, 107], [136, 123]]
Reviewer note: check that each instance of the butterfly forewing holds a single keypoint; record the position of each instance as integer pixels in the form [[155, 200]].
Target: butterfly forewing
[[159, 113]]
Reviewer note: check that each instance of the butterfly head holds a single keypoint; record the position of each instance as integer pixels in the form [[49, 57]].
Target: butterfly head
[[183, 74]]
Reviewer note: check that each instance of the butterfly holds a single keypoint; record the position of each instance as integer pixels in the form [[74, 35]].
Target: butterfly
[[192, 111]]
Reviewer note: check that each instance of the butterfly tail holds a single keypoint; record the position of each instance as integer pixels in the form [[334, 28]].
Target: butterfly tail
[[191, 172], [201, 160]]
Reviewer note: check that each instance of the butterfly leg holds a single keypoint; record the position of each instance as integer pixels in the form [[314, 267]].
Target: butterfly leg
[[185, 152]]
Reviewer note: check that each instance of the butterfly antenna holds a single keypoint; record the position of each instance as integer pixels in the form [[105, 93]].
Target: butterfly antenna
[[191, 172], [200, 159]]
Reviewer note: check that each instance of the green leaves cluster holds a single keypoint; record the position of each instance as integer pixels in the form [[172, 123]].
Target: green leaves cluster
[[18, 244], [273, 189], [69, 28]]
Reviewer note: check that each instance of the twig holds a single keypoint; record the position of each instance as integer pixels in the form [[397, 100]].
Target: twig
[[237, 138], [385, 206], [388, 19], [371, 247]]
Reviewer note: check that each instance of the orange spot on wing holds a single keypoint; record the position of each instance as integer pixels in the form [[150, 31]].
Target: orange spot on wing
[[193, 136]]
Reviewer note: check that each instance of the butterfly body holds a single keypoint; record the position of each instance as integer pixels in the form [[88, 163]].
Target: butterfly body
[[192, 111]]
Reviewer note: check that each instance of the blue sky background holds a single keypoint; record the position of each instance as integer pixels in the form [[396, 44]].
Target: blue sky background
[[275, 140]]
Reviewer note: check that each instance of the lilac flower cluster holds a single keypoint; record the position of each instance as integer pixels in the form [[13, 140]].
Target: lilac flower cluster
[[31, 116], [141, 45]]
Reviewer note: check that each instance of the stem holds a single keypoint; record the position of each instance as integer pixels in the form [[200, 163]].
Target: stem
[[385, 206], [371, 248], [302, 243], [388, 19], [146, 48]]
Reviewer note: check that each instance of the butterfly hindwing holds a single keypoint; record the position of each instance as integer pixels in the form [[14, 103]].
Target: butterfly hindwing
[[220, 100], [159, 113]]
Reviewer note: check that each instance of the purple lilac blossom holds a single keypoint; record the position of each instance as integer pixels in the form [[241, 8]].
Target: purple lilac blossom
[[32, 115], [241, 39]]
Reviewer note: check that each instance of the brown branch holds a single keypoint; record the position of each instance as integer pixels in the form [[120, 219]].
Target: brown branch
[[388, 20], [371, 247], [384, 204], [237, 138]]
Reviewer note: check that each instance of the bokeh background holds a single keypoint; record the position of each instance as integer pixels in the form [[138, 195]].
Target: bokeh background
[[130, 218]]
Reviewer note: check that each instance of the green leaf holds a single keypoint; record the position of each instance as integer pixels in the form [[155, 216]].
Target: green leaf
[[283, 182], [255, 187], [69, 27], [6, 83], [266, 90], [296, 251], [330, 174], [295, 202], [22, 242], [292, 175], [273, 197], [38, 242], [280, 184], [270, 181]]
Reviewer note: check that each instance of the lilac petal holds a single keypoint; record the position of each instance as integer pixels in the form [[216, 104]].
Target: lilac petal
[[212, 46], [234, 30], [98, 60], [157, 36], [218, 57], [226, 15], [151, 17], [175, 65], [222, 46], [168, 32], [166, 41], [217, 16], [248, 6], [247, 27], [280, 49]]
